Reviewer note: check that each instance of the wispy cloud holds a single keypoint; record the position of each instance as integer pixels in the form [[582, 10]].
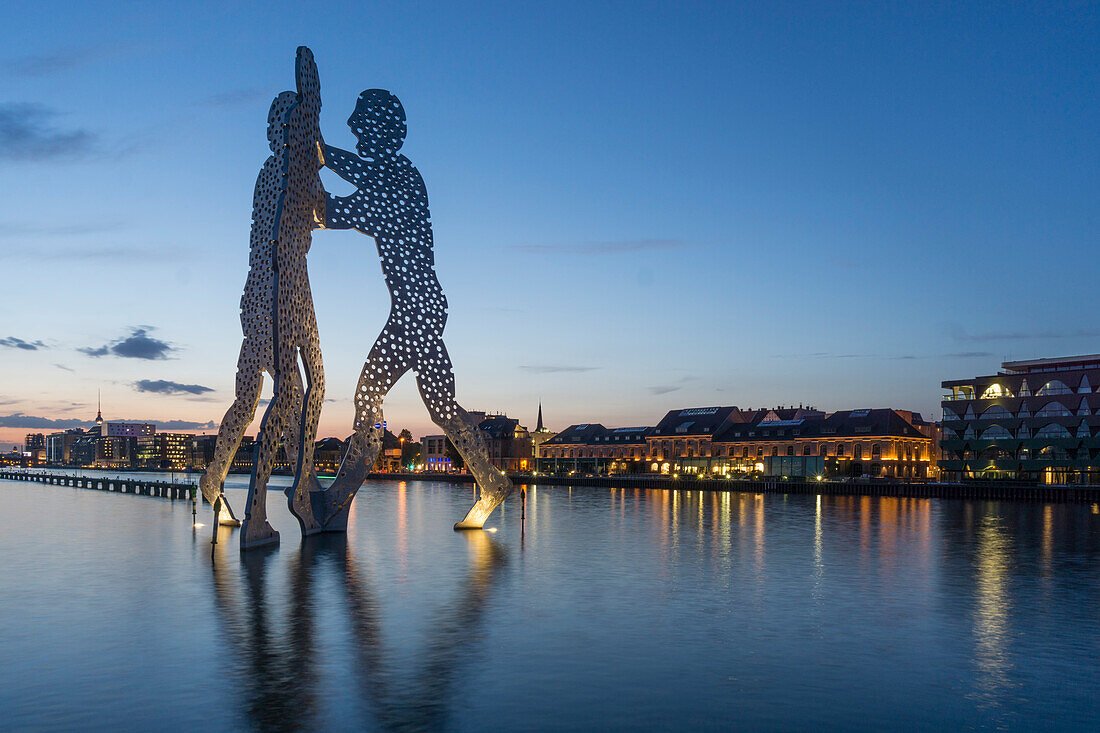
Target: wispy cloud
[[663, 389], [45, 64], [885, 357], [163, 386], [604, 248], [555, 369], [138, 345], [970, 355], [12, 342], [19, 420], [232, 97], [28, 133], [960, 334], [34, 422], [12, 230]]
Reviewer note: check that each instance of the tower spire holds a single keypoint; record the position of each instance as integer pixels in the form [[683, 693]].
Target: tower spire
[[539, 428], [99, 407]]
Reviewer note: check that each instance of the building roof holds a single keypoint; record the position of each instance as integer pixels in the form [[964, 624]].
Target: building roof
[[696, 421], [499, 427], [1066, 362], [574, 434], [622, 435], [840, 424]]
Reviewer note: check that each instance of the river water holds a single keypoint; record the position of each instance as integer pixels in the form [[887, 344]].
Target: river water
[[610, 609]]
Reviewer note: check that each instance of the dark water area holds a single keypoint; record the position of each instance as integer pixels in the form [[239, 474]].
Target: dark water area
[[608, 609]]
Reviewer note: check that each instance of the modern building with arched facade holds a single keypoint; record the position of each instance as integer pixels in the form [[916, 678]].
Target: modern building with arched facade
[[1036, 420]]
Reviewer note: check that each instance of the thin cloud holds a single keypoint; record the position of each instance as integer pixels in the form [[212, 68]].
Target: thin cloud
[[960, 334], [604, 248], [163, 386], [138, 345], [231, 98], [45, 64], [19, 420], [10, 230], [663, 389], [970, 355], [17, 343], [556, 369], [28, 133]]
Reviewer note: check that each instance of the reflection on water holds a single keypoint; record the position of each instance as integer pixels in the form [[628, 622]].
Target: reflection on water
[[621, 608], [275, 652], [991, 615]]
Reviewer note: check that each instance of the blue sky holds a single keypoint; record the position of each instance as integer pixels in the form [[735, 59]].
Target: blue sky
[[636, 206]]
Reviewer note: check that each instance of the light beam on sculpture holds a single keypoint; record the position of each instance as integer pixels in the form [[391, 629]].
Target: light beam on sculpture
[[391, 206]]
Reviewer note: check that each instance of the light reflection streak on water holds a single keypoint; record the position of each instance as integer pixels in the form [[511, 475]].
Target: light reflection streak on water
[[991, 611]]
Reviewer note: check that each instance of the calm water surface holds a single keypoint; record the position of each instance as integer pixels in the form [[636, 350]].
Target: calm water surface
[[608, 609]]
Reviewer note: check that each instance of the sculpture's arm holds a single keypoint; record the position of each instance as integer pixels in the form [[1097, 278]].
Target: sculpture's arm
[[348, 166], [332, 218]]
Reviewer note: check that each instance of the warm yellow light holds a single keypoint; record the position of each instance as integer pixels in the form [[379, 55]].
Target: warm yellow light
[[491, 529], [199, 524]]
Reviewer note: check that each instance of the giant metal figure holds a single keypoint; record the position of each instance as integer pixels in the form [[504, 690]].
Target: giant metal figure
[[391, 206], [277, 316]]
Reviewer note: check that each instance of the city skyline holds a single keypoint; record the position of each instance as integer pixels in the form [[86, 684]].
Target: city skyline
[[749, 207]]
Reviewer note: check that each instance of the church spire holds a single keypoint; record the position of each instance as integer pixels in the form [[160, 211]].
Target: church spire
[[540, 427], [99, 407]]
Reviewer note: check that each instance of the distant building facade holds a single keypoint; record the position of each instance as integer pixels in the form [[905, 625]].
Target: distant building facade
[[728, 441], [1034, 420]]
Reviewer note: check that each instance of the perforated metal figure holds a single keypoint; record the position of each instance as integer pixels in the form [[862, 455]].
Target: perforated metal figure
[[277, 316], [391, 205]]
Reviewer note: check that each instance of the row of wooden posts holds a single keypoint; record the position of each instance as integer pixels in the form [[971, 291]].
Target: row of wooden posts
[[128, 485]]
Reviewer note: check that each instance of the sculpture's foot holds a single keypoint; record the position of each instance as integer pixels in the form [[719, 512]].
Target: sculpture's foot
[[223, 513], [479, 512], [257, 533], [298, 499], [332, 506]]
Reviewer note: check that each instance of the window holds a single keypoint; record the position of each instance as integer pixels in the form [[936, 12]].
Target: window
[[824, 449], [1053, 409], [995, 391], [857, 452], [839, 450], [806, 449], [1053, 387], [790, 450], [996, 432], [1053, 430], [996, 412], [775, 450], [876, 451]]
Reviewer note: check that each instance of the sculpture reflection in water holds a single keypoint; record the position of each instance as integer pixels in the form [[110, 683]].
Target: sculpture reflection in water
[[390, 204], [278, 661]]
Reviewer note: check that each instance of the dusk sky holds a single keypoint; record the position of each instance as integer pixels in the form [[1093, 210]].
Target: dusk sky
[[636, 208]]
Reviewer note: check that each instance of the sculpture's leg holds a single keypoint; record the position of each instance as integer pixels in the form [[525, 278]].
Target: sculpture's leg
[[305, 478], [237, 418], [256, 531], [436, 381], [385, 365]]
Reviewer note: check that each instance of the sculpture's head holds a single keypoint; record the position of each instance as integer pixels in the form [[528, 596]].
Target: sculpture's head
[[379, 123], [276, 119]]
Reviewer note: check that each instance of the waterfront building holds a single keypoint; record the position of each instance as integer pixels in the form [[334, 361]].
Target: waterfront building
[[171, 451], [509, 444], [573, 450], [59, 446], [803, 443], [202, 451], [433, 454], [34, 448], [326, 455], [787, 442], [1035, 421]]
